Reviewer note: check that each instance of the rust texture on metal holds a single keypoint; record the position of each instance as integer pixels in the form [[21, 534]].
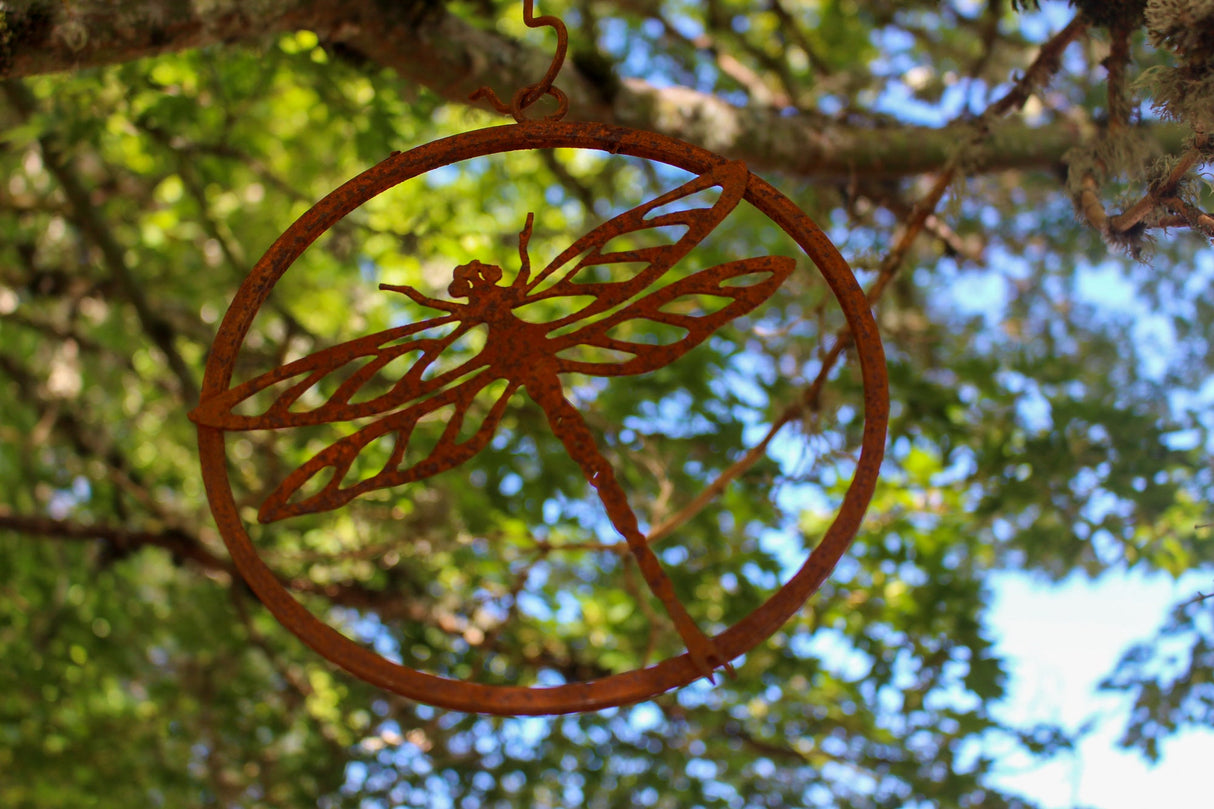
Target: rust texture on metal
[[526, 96], [520, 355]]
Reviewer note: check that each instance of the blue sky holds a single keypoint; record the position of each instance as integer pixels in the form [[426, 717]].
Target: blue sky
[[1061, 641]]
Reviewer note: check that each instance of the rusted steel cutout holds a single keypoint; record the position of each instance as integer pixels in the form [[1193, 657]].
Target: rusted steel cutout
[[530, 358]]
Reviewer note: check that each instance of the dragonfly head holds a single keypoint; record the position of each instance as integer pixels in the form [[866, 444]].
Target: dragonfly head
[[473, 277]]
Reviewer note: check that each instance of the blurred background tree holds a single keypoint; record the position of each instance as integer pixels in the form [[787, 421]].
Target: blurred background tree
[[1019, 187]]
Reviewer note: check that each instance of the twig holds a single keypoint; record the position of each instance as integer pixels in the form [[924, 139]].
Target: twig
[[1197, 599], [1158, 191], [545, 547], [571, 184], [790, 27], [952, 241], [1192, 216], [632, 586], [1178, 221], [988, 32], [810, 400], [751, 82], [489, 644], [1039, 73]]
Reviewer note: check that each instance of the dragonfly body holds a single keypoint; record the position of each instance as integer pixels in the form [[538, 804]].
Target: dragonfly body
[[579, 442]]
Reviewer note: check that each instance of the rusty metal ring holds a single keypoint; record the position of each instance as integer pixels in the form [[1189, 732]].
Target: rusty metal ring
[[618, 689]]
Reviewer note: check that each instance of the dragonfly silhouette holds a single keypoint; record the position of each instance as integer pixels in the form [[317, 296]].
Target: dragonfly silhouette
[[525, 355]]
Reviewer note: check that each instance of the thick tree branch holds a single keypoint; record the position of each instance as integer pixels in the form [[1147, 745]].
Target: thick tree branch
[[123, 539], [427, 45], [188, 548], [50, 36]]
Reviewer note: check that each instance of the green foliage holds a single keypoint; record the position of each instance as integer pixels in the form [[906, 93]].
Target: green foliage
[[1036, 429]]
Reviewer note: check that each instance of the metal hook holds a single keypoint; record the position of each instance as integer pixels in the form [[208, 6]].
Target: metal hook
[[531, 93]]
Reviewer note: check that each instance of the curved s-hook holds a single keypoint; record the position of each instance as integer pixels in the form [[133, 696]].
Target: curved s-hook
[[531, 93]]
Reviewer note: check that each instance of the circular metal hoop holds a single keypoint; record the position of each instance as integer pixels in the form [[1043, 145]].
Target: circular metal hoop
[[618, 689]]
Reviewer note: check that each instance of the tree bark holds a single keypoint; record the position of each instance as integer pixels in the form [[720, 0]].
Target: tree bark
[[427, 45]]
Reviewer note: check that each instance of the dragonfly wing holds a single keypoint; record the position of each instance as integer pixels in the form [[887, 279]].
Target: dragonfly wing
[[697, 223], [669, 306], [350, 366], [449, 451]]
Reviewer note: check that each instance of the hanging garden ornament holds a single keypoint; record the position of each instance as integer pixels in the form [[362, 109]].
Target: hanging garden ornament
[[520, 356]]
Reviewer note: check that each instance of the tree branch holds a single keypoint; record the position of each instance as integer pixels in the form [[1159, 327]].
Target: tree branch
[[1160, 190], [123, 539], [189, 548], [49, 36], [427, 45]]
